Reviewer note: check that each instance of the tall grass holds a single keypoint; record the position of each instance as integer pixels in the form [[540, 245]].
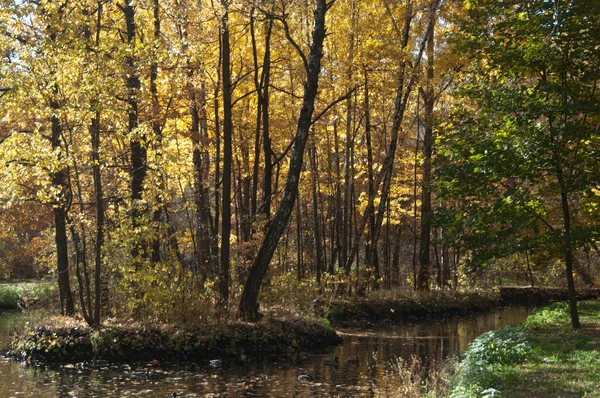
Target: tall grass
[[415, 379]]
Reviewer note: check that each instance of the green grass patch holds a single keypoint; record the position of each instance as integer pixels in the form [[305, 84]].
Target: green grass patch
[[544, 358]]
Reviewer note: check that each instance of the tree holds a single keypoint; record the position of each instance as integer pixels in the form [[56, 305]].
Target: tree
[[404, 88], [227, 155], [522, 152], [248, 308], [428, 95], [136, 143]]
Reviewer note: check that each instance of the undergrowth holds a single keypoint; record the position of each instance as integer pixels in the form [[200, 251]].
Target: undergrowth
[[543, 358], [488, 358]]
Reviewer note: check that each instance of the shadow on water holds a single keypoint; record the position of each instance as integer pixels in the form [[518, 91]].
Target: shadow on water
[[364, 361]]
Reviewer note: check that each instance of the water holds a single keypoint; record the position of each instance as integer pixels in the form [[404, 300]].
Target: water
[[375, 348]]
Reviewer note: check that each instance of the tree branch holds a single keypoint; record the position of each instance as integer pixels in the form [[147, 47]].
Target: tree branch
[[334, 103], [288, 36]]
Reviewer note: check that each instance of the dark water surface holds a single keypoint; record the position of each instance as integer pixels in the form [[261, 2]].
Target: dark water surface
[[376, 349]]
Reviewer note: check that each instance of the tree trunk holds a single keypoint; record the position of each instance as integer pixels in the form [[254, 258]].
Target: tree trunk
[[299, 245], [529, 273], [204, 233], [227, 158], [156, 128], [245, 196], [371, 214], [59, 180], [257, 129], [567, 239], [138, 151], [217, 181], [348, 175], [568, 250], [415, 188], [267, 150], [428, 100], [315, 212], [99, 196], [248, 308], [340, 236]]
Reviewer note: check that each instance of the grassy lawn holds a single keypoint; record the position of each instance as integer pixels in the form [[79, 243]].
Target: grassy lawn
[[544, 358]]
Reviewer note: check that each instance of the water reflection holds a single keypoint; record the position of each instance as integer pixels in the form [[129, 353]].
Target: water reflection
[[375, 349]]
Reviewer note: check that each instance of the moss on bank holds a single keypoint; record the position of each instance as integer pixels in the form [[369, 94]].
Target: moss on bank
[[65, 340], [346, 313], [544, 358]]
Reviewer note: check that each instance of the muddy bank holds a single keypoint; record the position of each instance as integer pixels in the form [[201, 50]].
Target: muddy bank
[[54, 342], [370, 311], [542, 295]]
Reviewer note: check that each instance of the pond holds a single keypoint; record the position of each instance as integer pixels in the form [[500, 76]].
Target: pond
[[375, 349]]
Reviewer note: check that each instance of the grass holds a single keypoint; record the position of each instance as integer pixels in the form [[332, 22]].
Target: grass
[[26, 294], [543, 358]]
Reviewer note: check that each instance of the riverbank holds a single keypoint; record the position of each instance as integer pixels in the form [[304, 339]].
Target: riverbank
[[444, 304], [66, 340], [525, 295], [344, 313], [543, 358]]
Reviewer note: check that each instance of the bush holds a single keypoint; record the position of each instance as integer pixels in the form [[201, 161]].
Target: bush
[[555, 314], [487, 355], [9, 297], [28, 295]]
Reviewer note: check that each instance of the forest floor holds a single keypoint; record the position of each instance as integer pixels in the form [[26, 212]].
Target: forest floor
[[543, 358]]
